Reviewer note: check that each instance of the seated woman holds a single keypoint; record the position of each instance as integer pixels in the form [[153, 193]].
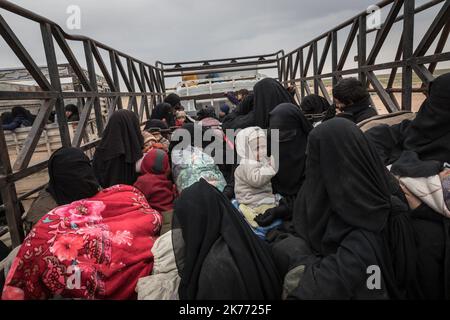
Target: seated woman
[[154, 181], [96, 247], [253, 174], [120, 148], [70, 179], [293, 135], [351, 222], [189, 162], [418, 151], [217, 254]]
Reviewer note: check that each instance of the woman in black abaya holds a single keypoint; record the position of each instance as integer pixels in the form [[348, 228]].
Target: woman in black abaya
[[218, 255], [121, 146], [267, 94], [71, 176], [293, 136], [350, 219]]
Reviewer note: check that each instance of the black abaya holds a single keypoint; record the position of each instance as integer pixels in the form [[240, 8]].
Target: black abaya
[[71, 176], [346, 211], [218, 255], [121, 146]]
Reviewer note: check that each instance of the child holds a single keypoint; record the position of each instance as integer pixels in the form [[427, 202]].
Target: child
[[253, 188], [154, 181], [180, 118]]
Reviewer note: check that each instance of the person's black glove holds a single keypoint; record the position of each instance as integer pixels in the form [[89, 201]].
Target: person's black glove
[[265, 219], [268, 217]]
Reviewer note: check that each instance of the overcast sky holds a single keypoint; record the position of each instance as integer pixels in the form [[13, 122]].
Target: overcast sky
[[172, 30]]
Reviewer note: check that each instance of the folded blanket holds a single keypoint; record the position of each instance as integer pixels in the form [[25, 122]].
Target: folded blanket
[[430, 191]]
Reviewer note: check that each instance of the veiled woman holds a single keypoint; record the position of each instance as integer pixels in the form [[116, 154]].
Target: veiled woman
[[120, 148]]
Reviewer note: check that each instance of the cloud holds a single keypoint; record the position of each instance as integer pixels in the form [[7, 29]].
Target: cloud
[[177, 30]]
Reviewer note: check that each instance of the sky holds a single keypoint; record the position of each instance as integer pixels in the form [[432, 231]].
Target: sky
[[174, 30]]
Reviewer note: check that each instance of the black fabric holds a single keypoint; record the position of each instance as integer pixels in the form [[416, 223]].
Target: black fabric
[[22, 112], [409, 165], [4, 251], [314, 104], [218, 255], [432, 239], [293, 131], [207, 112], [268, 93], [418, 148], [164, 111], [157, 125], [342, 211], [71, 176], [358, 111], [429, 133], [120, 148], [173, 99], [7, 117], [388, 140], [74, 110], [242, 116]]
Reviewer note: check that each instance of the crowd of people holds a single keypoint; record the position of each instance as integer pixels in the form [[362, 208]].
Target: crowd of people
[[310, 207]]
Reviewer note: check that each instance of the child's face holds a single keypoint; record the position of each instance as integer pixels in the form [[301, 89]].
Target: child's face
[[260, 148]]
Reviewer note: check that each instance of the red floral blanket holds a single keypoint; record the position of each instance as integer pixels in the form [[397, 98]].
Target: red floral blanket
[[95, 248]]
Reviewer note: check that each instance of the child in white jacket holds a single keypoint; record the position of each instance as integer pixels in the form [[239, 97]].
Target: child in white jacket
[[253, 188]]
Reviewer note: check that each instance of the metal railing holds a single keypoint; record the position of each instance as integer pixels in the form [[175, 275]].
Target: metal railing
[[141, 80], [295, 66], [293, 69]]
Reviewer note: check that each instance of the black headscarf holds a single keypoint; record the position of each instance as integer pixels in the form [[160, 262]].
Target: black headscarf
[[429, 133], [122, 136], [120, 148], [173, 99], [156, 125], [74, 110], [345, 181], [163, 111], [314, 104], [242, 116], [218, 255], [293, 131], [71, 176], [347, 201], [268, 93], [207, 112]]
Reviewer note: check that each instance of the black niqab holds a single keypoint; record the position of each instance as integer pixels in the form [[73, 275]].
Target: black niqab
[[347, 213], [122, 136], [429, 133], [71, 176], [268, 93], [120, 148], [173, 99], [218, 255], [293, 130]]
